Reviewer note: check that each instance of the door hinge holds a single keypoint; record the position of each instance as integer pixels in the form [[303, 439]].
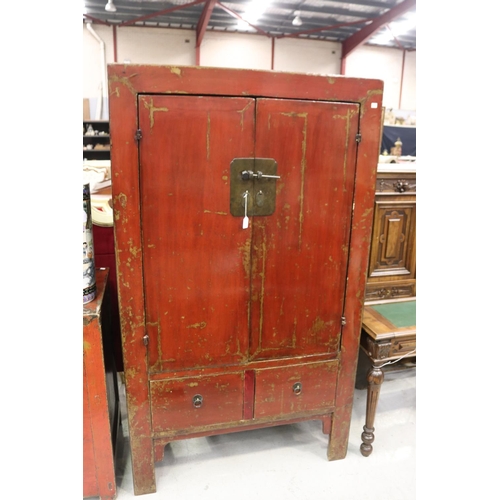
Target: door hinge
[[343, 321], [358, 138], [145, 339], [138, 134]]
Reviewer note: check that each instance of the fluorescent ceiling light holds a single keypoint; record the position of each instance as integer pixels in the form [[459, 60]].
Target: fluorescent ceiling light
[[243, 25], [405, 24], [297, 21], [254, 10], [397, 28], [110, 6]]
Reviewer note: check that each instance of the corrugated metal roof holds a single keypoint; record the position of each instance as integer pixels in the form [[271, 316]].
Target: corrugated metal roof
[[319, 19]]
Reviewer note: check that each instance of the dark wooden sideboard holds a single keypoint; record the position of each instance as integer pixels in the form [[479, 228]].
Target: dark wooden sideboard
[[388, 335], [392, 268], [243, 205]]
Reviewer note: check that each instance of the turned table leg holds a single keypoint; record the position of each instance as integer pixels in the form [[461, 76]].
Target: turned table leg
[[375, 378]]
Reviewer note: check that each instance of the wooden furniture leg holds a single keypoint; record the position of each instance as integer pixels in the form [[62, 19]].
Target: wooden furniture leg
[[339, 433], [375, 378], [143, 465]]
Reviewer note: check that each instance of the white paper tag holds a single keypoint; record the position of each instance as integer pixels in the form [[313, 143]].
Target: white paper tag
[[245, 222]]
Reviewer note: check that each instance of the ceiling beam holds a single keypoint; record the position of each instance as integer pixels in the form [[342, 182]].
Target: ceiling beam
[[237, 16], [349, 44], [371, 3], [95, 20], [394, 36], [203, 22], [309, 10], [322, 28], [161, 12]]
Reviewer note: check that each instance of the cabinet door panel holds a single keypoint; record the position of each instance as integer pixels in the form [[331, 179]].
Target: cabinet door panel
[[393, 242], [299, 253], [196, 255]]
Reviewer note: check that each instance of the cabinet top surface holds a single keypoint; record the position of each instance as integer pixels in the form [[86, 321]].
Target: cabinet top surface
[[227, 81], [387, 168]]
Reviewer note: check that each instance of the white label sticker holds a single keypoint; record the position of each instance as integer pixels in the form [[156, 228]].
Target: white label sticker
[[374, 104]]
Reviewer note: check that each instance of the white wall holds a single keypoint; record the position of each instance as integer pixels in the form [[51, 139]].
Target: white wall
[[409, 96], [156, 46], [231, 50], [307, 56], [91, 55], [384, 64]]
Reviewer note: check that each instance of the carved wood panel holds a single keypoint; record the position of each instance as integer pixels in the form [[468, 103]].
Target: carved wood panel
[[390, 290], [396, 183], [393, 241]]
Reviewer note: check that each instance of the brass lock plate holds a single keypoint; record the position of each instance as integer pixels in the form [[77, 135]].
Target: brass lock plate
[[250, 174]]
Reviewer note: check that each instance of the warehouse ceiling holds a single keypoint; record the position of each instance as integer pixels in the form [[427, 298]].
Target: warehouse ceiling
[[388, 23]]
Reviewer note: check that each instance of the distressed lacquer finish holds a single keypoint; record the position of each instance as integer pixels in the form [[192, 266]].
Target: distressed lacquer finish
[[99, 416], [197, 286], [243, 315], [300, 253]]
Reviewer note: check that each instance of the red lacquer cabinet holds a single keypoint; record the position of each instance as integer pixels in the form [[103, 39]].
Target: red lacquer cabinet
[[243, 208]]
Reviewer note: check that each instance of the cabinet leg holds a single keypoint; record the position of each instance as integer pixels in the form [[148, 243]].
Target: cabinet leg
[[339, 433], [143, 466], [375, 378], [160, 451]]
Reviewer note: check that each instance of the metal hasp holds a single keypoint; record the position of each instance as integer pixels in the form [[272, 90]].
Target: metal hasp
[[258, 176]]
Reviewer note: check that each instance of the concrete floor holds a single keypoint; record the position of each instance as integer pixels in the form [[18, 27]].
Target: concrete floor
[[289, 462]]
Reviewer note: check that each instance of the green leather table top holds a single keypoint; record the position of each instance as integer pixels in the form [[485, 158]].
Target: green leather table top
[[400, 314]]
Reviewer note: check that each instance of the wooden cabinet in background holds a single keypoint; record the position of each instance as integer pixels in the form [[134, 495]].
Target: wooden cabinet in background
[[232, 323], [392, 267]]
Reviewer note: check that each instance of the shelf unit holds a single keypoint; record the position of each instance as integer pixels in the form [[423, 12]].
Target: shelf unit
[[100, 141]]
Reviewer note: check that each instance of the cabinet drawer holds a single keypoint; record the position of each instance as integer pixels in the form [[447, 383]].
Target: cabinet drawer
[[390, 290], [401, 347], [396, 184], [295, 389], [196, 401]]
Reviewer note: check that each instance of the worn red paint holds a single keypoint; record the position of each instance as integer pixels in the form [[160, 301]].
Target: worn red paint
[[98, 458], [249, 394]]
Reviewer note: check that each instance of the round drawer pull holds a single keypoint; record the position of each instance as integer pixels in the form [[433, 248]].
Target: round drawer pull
[[197, 401], [297, 388]]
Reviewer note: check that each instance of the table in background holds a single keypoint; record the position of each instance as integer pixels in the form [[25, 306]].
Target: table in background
[[388, 334]]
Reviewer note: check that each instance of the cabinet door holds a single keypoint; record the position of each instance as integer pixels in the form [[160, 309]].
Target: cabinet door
[[299, 254], [393, 242], [216, 293], [195, 253]]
